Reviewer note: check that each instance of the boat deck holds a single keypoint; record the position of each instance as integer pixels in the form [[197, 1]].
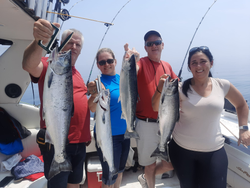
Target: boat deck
[[130, 181]]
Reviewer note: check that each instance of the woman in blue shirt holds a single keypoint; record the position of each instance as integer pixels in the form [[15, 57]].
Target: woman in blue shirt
[[106, 62]]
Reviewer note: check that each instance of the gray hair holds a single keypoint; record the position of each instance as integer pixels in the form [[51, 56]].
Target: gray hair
[[68, 31], [104, 50]]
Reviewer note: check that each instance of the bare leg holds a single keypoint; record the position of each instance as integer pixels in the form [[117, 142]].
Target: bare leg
[[70, 185], [150, 175], [107, 186], [118, 181], [162, 167]]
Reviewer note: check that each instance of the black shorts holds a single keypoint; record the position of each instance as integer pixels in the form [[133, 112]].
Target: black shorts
[[76, 154]]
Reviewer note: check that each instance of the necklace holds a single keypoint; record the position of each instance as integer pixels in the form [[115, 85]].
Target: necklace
[[155, 70]]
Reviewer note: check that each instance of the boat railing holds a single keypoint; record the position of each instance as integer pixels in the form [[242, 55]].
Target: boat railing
[[48, 9]]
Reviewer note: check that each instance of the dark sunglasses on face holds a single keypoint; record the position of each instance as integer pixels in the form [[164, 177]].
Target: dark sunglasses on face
[[103, 62], [151, 43], [203, 48]]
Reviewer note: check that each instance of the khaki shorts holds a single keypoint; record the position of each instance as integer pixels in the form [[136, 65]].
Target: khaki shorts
[[148, 142]]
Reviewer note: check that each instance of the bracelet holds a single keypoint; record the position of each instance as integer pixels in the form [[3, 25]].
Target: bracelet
[[157, 89]]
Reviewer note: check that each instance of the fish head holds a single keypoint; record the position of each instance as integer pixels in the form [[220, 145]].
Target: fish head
[[170, 87], [60, 63], [104, 99], [128, 63]]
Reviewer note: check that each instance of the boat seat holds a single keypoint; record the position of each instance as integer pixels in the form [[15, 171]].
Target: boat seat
[[29, 147]]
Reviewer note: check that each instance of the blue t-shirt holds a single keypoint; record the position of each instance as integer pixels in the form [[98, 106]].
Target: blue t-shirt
[[118, 125]]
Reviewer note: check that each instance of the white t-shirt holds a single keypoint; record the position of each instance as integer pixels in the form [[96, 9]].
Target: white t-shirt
[[199, 126]]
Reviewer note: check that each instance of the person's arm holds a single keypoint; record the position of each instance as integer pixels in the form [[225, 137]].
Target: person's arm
[[236, 98], [157, 95], [93, 91], [43, 31]]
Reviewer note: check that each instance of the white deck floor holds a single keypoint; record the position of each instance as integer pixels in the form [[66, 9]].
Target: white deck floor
[[130, 181]]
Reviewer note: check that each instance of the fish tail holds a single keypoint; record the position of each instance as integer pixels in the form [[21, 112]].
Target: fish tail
[[161, 154], [56, 168], [133, 134], [112, 174]]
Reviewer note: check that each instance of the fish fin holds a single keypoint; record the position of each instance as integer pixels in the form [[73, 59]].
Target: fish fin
[[50, 79], [161, 154], [56, 168], [104, 159], [98, 144], [159, 133], [122, 116], [129, 135], [113, 173]]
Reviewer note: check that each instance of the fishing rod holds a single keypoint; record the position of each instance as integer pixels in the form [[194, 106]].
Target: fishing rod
[[108, 25], [78, 17], [233, 134], [179, 75]]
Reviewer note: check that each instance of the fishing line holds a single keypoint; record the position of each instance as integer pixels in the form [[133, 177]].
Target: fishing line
[[233, 134], [108, 25], [79, 17], [70, 9], [179, 75]]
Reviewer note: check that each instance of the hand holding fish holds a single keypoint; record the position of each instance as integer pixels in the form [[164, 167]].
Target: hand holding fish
[[244, 138], [130, 52], [43, 30], [161, 82], [157, 95], [92, 88]]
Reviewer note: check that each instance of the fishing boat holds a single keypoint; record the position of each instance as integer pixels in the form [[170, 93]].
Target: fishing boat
[[16, 26]]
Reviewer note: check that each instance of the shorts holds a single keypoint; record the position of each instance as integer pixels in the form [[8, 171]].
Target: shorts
[[148, 142], [76, 154], [121, 148]]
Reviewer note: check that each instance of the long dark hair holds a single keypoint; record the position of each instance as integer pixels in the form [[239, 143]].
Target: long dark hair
[[187, 83]]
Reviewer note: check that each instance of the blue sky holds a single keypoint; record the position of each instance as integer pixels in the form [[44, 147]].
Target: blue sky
[[225, 30]]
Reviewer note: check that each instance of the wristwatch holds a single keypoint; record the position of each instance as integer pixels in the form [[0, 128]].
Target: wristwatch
[[243, 127]]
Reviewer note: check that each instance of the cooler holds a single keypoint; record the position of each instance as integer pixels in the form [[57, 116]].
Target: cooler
[[94, 172]]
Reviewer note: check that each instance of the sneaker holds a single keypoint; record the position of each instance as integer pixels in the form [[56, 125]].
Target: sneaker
[[142, 181], [168, 174]]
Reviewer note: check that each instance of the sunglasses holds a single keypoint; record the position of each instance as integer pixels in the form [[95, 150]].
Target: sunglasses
[[156, 43], [103, 62], [203, 48]]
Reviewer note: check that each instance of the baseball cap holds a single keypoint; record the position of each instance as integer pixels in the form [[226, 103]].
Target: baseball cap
[[149, 33]]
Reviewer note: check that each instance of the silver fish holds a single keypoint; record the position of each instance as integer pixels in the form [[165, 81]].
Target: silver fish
[[103, 129], [168, 115], [129, 95], [58, 108]]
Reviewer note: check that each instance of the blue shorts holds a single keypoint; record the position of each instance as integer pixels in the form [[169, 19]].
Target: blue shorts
[[76, 153], [121, 149]]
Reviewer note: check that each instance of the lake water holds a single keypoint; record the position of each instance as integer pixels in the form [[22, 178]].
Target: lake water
[[240, 79]]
